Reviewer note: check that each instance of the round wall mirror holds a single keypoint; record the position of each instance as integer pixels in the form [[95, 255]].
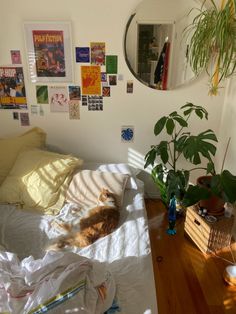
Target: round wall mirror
[[156, 49]]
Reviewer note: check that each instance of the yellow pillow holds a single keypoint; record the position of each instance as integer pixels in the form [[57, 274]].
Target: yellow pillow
[[10, 148], [39, 180]]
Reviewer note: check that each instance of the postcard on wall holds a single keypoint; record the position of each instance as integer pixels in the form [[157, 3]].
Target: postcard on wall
[[103, 76], [95, 103], [24, 119], [12, 88], [58, 98], [98, 53], [82, 54], [111, 64], [42, 94], [130, 87], [34, 109], [91, 80], [49, 51], [74, 112], [84, 100], [15, 115], [15, 57], [106, 91], [112, 79], [127, 133], [74, 92]]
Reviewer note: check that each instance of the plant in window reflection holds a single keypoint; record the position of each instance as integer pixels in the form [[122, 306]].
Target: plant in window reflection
[[164, 157]]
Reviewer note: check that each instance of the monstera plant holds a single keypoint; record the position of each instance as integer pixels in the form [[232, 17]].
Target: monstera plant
[[213, 42], [164, 157]]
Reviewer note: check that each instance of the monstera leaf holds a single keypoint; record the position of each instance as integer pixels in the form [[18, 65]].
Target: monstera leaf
[[195, 146]]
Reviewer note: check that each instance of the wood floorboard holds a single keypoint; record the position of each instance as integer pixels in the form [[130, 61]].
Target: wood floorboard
[[187, 280]]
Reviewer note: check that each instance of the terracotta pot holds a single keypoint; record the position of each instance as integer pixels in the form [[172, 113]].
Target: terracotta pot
[[214, 204]]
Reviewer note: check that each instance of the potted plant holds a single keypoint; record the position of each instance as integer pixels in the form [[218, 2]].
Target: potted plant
[[165, 156], [213, 42], [221, 188]]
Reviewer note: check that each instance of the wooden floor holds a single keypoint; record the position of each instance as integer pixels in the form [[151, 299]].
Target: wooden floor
[[187, 281]]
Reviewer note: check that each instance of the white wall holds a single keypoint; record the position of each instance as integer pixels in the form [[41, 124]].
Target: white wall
[[228, 130], [96, 136]]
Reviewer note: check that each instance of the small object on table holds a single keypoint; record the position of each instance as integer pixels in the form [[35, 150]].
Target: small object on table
[[230, 275], [172, 216]]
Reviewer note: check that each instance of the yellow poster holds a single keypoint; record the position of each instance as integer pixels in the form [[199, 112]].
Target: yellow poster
[[91, 80]]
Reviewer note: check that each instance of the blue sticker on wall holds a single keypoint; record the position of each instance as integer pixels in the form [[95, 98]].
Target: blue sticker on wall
[[127, 133]]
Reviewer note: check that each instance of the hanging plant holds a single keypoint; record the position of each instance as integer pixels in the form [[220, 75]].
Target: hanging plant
[[213, 43]]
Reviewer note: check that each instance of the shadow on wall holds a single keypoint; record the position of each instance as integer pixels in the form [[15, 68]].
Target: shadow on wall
[[136, 160]]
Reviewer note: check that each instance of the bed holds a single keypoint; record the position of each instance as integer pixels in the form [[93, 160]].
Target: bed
[[113, 275]]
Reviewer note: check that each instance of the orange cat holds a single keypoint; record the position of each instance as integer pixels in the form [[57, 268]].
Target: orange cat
[[101, 221]]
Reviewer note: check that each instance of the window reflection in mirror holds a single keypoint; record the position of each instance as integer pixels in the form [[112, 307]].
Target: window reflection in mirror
[[156, 51]]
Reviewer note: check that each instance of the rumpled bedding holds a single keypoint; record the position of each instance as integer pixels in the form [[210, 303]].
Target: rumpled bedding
[[60, 282], [125, 253]]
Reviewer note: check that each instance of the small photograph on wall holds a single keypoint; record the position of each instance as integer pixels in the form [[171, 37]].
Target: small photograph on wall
[[48, 46], [91, 80], [24, 119], [130, 87], [95, 103], [15, 115], [58, 98], [103, 77], [106, 91], [111, 64], [42, 94], [15, 57], [84, 100], [82, 54], [112, 80], [12, 88], [74, 112], [127, 134], [98, 52], [74, 92]]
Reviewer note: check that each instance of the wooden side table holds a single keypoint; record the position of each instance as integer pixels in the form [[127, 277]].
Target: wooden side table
[[209, 237]]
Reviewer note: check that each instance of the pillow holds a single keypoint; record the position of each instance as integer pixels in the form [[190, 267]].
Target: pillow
[[10, 148], [123, 168], [38, 180], [86, 186]]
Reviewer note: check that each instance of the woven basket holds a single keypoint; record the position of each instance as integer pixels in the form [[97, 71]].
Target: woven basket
[[208, 236]]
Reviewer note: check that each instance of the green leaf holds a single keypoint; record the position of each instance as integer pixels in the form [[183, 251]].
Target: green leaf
[[181, 121], [150, 157], [194, 194], [199, 113], [188, 111], [228, 182], [163, 151], [170, 126], [199, 145], [159, 125]]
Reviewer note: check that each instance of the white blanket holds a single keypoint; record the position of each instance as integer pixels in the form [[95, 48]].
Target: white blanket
[[59, 282], [126, 252]]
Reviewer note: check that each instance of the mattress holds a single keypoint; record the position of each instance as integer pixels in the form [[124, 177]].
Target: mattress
[[125, 253]]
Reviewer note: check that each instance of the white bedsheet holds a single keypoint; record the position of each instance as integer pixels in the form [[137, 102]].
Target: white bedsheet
[[126, 252]]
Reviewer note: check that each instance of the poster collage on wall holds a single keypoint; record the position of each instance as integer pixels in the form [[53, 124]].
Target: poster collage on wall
[[51, 64]]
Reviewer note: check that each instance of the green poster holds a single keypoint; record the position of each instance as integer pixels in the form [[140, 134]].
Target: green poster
[[111, 64]]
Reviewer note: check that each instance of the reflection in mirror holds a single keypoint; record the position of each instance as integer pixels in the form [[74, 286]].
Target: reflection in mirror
[[155, 49]]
